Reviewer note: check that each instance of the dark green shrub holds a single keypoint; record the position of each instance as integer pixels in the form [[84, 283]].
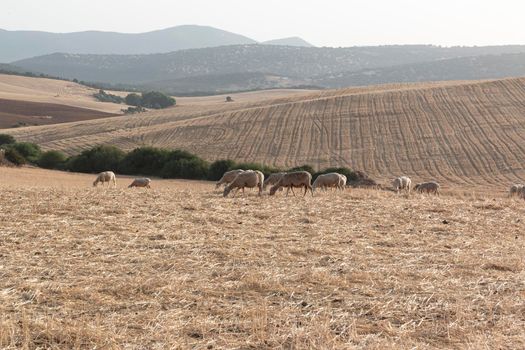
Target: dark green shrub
[[219, 167], [156, 100], [133, 99], [6, 139], [97, 159], [103, 96], [52, 160], [14, 156], [194, 168], [144, 161], [30, 151], [305, 167]]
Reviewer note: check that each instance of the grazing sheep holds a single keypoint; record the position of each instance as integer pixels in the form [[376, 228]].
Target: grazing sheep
[[427, 187], [342, 182], [106, 176], [248, 178], [228, 177], [141, 182], [516, 190], [295, 179], [402, 183], [328, 180], [272, 180]]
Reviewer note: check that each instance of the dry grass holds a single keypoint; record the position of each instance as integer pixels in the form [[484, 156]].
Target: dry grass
[[41, 90], [467, 133], [181, 267]]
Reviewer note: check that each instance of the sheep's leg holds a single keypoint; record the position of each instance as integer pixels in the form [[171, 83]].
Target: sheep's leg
[[292, 190], [287, 191]]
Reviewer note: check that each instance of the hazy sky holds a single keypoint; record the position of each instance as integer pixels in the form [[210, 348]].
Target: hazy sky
[[323, 23]]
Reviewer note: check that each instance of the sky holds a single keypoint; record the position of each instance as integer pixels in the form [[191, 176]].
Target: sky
[[322, 23]]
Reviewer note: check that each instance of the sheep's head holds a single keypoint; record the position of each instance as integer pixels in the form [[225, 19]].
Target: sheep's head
[[217, 185], [95, 183], [227, 190], [273, 190], [417, 186]]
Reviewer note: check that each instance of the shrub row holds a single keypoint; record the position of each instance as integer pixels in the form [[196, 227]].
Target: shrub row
[[147, 161]]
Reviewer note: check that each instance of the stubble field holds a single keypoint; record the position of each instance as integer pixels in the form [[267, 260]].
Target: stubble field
[[179, 266]]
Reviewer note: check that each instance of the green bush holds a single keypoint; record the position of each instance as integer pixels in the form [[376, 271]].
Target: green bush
[[156, 100], [305, 167], [194, 168], [12, 155], [97, 159], [30, 151], [219, 167], [144, 161], [133, 99], [52, 160], [152, 99], [6, 139], [103, 96]]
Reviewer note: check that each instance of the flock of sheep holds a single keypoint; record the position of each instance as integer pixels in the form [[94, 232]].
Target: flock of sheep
[[239, 179]]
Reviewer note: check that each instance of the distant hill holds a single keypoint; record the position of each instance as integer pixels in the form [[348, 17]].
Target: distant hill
[[275, 66], [463, 68], [18, 45], [292, 41]]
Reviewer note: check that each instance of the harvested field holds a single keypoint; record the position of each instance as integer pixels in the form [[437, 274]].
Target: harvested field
[[17, 113], [42, 90], [179, 266], [463, 133]]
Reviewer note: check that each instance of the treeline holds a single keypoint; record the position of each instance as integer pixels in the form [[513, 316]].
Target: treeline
[[147, 161], [151, 99]]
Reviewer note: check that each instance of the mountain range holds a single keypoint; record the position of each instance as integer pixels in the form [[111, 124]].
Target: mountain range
[[17, 45], [255, 66]]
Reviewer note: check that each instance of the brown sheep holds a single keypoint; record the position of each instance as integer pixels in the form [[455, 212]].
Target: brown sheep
[[427, 187], [295, 179]]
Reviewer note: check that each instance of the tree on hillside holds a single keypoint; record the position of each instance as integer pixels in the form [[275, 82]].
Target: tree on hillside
[[133, 99]]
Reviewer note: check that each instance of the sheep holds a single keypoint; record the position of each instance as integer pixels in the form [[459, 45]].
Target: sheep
[[248, 178], [106, 176], [516, 190], [342, 182], [141, 182], [402, 183], [294, 179], [328, 180], [228, 177], [272, 180], [427, 187]]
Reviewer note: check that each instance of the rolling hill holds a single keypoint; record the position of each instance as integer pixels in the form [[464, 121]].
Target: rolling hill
[[288, 65], [39, 101], [455, 132]]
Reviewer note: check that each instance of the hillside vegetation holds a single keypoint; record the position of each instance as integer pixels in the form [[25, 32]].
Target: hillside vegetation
[[276, 66], [457, 133]]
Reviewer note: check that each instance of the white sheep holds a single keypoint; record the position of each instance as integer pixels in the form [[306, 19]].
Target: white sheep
[[141, 182], [428, 187], [516, 190], [294, 179], [328, 180], [248, 178], [342, 182], [228, 177], [106, 176], [402, 183]]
